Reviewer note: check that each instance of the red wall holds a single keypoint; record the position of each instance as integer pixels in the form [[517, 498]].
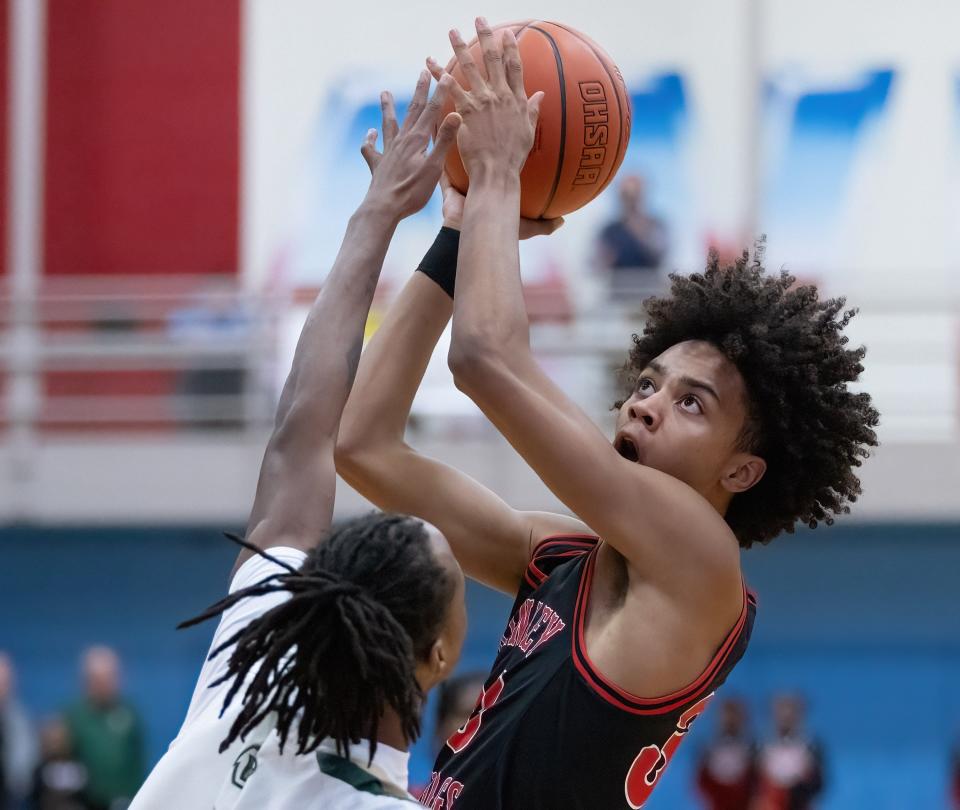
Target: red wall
[[4, 127], [142, 136]]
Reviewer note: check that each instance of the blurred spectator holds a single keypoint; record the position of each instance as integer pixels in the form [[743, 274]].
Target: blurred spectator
[[212, 318], [955, 779], [727, 773], [790, 766], [458, 698], [106, 733], [633, 246], [18, 745], [60, 780], [5, 800]]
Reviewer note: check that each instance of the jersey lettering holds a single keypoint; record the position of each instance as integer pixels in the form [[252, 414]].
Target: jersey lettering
[[439, 796], [429, 793], [650, 762], [531, 618], [455, 789], [437, 803], [461, 738]]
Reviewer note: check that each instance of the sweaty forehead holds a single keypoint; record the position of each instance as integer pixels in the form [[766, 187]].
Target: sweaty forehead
[[705, 362]]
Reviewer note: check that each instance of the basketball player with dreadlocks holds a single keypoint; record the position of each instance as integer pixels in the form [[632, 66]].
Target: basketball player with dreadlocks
[[332, 640], [737, 424]]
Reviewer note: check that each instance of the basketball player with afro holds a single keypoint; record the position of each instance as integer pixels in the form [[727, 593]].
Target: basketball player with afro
[[737, 425]]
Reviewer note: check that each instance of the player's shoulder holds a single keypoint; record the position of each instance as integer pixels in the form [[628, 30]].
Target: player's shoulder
[[554, 550], [274, 560], [543, 526], [321, 780], [358, 787], [562, 547]]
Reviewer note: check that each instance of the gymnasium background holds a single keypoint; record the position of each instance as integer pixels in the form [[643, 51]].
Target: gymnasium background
[[176, 178]]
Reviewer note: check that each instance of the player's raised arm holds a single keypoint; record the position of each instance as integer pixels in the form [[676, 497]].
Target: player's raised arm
[[295, 492], [491, 540], [657, 522]]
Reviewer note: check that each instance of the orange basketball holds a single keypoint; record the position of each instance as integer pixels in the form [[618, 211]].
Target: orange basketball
[[584, 124]]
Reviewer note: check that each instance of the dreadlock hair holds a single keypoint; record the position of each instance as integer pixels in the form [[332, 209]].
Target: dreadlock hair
[[789, 348], [366, 604]]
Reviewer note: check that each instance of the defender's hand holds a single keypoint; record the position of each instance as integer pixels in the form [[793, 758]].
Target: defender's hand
[[499, 121], [404, 175]]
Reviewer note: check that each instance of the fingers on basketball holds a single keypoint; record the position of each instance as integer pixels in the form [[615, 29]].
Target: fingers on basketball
[[582, 124]]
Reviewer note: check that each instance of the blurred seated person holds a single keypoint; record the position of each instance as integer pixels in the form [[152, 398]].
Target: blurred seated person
[[457, 698], [726, 775], [60, 779], [790, 765], [4, 793], [633, 246], [212, 318], [18, 745], [955, 780]]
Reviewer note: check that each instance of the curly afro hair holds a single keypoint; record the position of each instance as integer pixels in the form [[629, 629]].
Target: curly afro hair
[[791, 352]]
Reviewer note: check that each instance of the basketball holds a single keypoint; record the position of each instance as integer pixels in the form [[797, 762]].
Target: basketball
[[584, 124]]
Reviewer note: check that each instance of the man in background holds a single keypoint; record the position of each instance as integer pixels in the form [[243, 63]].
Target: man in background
[[18, 745], [790, 766], [458, 698], [727, 772], [633, 246], [107, 733]]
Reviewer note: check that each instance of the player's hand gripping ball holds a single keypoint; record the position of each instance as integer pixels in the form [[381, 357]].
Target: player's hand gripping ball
[[583, 126]]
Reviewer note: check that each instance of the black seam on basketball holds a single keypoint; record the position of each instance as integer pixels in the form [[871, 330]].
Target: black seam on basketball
[[563, 117], [613, 81]]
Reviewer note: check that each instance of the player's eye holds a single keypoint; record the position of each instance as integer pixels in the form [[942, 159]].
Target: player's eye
[[646, 386], [691, 404]]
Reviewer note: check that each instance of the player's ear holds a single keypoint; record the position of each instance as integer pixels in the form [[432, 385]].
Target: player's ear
[[436, 667], [743, 472], [440, 661]]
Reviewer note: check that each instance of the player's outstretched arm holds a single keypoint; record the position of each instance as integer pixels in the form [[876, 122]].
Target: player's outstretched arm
[[295, 492], [491, 541], [660, 525]]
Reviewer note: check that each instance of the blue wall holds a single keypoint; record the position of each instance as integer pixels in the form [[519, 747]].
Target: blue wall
[[863, 620]]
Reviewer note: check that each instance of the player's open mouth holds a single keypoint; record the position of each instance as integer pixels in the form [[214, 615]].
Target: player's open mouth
[[627, 449]]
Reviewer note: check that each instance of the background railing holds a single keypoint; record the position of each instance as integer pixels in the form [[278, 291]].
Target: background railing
[[181, 353]]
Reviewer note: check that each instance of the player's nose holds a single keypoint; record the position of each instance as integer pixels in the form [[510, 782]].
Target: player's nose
[[645, 410]]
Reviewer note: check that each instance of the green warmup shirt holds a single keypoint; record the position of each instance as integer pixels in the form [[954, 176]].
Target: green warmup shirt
[[109, 742]]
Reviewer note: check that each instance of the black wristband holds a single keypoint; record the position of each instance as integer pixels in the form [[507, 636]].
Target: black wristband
[[440, 263]]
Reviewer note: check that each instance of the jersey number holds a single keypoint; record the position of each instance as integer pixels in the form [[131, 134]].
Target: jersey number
[[650, 762], [461, 738]]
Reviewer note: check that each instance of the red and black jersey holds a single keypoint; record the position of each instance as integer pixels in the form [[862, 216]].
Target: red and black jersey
[[549, 731]]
